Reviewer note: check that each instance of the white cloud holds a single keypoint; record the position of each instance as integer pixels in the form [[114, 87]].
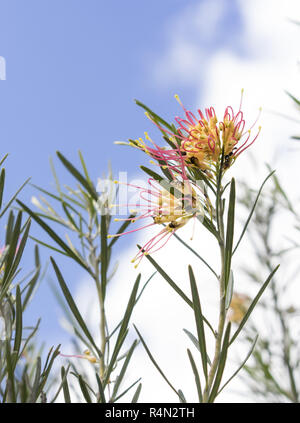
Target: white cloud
[[262, 60], [188, 34], [267, 67]]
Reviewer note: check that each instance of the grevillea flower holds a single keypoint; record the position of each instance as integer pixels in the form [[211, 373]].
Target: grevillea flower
[[202, 139], [238, 307], [170, 158], [86, 355], [171, 207]]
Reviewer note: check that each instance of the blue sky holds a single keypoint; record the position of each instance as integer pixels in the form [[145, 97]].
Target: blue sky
[[73, 69]]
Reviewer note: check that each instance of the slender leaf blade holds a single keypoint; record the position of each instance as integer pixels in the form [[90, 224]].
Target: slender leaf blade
[[73, 306], [84, 389], [136, 394], [199, 321], [86, 184], [19, 325], [229, 291], [54, 236], [155, 363], [229, 232], [65, 386], [252, 211], [14, 197], [2, 182], [242, 364], [123, 329], [123, 371], [104, 254], [101, 397], [196, 375]]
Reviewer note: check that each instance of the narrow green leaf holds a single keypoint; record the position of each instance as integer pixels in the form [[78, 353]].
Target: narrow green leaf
[[63, 196], [136, 394], [181, 396], [104, 254], [253, 304], [123, 371], [229, 232], [2, 182], [208, 225], [165, 170], [56, 179], [198, 320], [54, 236], [155, 363], [127, 389], [24, 391], [73, 306], [48, 358], [196, 374], [53, 219], [129, 307], [84, 389], [36, 382], [44, 244], [3, 159], [9, 262], [229, 291], [84, 168], [293, 98], [198, 176], [48, 367], [19, 325], [221, 365], [30, 336], [69, 216], [252, 211], [153, 174], [137, 298], [19, 249], [13, 197], [10, 393], [196, 343], [65, 385], [242, 365], [123, 329], [101, 396], [281, 190], [155, 116], [87, 185], [32, 283], [9, 228]]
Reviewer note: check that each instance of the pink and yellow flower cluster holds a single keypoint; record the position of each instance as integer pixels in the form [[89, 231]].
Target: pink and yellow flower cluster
[[199, 143]]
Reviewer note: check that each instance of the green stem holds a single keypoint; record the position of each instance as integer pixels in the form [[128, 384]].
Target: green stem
[[222, 308], [103, 338], [102, 333]]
